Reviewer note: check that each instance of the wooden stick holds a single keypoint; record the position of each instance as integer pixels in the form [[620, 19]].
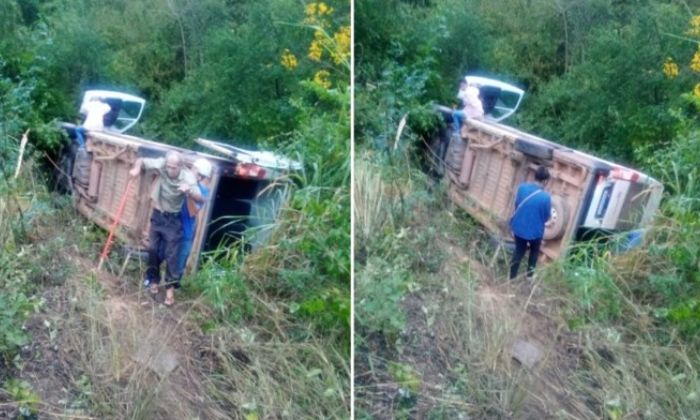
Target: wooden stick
[[22, 145], [402, 124]]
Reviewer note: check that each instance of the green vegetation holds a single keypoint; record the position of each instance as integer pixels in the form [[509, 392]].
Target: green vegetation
[[619, 330], [274, 324]]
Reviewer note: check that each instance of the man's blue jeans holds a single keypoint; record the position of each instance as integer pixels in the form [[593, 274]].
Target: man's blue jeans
[[458, 117], [165, 237], [80, 135], [520, 248], [185, 249]]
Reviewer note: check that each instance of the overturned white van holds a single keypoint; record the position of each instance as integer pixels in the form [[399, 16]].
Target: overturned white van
[[487, 160], [247, 187]]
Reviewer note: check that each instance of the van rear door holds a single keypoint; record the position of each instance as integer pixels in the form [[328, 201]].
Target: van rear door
[[623, 200], [249, 195]]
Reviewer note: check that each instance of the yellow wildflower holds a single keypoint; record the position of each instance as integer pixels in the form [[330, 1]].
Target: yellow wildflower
[[670, 68], [310, 9], [289, 60], [324, 9], [316, 14], [694, 26], [342, 45], [695, 62], [321, 79], [315, 50], [310, 12], [696, 90]]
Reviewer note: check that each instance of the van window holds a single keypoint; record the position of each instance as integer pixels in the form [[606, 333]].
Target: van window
[[633, 208]]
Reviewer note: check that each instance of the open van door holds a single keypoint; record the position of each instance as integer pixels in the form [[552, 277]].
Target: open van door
[[126, 109], [499, 99], [252, 190]]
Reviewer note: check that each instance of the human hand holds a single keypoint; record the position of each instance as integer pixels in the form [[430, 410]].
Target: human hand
[[184, 188], [136, 170]]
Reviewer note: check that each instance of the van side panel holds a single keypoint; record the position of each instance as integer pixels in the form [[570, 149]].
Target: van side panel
[[486, 165], [114, 162], [499, 161]]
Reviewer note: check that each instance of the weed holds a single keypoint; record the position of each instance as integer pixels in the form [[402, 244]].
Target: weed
[[21, 394], [224, 290], [380, 287]]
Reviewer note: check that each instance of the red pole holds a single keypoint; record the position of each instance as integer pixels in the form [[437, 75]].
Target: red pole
[[117, 219]]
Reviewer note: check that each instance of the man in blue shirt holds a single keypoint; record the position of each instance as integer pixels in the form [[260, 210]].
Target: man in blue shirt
[[533, 207], [190, 208]]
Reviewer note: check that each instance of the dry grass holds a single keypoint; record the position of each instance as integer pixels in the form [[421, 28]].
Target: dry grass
[[371, 196], [123, 342]]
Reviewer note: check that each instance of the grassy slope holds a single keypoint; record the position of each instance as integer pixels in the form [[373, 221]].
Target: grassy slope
[[442, 347], [98, 347]]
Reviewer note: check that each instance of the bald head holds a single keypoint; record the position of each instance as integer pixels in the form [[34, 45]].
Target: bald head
[[173, 157], [173, 164]]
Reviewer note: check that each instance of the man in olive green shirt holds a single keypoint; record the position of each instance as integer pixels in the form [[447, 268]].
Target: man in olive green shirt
[[173, 185]]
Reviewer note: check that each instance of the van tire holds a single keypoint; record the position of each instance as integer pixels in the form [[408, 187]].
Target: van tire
[[559, 219], [530, 148]]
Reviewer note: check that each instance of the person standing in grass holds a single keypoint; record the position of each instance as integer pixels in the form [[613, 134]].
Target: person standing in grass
[[533, 207], [174, 184], [190, 207]]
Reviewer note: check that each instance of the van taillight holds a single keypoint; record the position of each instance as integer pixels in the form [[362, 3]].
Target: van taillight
[[250, 170], [624, 174]]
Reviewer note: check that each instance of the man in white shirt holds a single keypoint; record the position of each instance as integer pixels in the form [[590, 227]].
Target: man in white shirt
[[472, 107], [95, 111]]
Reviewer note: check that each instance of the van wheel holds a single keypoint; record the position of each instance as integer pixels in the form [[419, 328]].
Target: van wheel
[[559, 219], [529, 148]]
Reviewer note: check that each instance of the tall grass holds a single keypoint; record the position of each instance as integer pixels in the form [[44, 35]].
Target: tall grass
[[121, 349]]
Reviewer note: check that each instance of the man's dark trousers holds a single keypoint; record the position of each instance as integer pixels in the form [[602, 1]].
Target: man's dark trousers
[[165, 234], [520, 248]]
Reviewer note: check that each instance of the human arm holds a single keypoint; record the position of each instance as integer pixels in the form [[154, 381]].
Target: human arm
[[192, 192], [190, 186], [194, 206], [136, 169], [145, 163]]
